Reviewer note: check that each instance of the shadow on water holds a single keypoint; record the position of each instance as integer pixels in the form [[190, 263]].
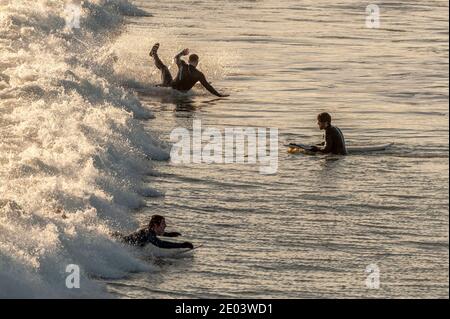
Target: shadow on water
[[191, 104], [184, 105]]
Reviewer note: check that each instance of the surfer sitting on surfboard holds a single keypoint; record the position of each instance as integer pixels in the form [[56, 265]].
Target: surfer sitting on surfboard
[[334, 141], [188, 75], [149, 235]]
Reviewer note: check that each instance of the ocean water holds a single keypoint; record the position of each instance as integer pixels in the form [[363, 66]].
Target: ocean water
[[72, 151], [83, 154]]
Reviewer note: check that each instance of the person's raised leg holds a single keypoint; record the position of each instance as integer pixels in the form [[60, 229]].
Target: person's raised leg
[[166, 77]]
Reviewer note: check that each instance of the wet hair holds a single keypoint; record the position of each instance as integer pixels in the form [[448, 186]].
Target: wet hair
[[193, 58], [324, 117], [155, 221]]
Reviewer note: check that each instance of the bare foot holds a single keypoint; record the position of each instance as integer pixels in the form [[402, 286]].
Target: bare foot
[[154, 49]]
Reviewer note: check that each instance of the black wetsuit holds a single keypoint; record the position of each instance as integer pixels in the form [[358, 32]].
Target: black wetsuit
[[146, 236], [187, 76], [334, 142]]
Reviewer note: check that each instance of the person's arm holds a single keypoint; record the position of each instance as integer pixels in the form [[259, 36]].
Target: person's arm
[[317, 147], [169, 245], [323, 141], [153, 239], [178, 59], [329, 144], [209, 87], [172, 234]]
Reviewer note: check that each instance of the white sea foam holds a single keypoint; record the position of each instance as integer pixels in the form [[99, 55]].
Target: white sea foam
[[72, 149]]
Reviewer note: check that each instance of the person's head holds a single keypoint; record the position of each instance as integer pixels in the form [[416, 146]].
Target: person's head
[[193, 60], [323, 120], [157, 224]]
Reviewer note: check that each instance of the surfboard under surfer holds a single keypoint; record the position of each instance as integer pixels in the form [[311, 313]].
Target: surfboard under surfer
[[187, 76]]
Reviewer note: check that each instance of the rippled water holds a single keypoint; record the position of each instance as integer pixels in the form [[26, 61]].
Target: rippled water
[[311, 229]]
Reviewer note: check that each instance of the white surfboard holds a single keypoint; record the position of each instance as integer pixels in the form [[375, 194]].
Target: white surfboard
[[295, 148], [154, 251], [368, 148]]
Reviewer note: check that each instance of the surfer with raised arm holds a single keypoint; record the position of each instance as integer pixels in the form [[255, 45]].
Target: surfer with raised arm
[[187, 76], [148, 235]]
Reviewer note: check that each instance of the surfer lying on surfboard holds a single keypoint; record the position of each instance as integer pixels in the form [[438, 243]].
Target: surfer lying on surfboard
[[149, 235], [188, 75], [334, 141]]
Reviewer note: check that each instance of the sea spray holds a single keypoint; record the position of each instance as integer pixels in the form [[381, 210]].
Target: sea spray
[[72, 149]]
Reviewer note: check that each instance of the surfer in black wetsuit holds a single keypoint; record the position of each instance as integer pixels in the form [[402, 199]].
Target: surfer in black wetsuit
[[334, 139], [149, 235], [188, 75]]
